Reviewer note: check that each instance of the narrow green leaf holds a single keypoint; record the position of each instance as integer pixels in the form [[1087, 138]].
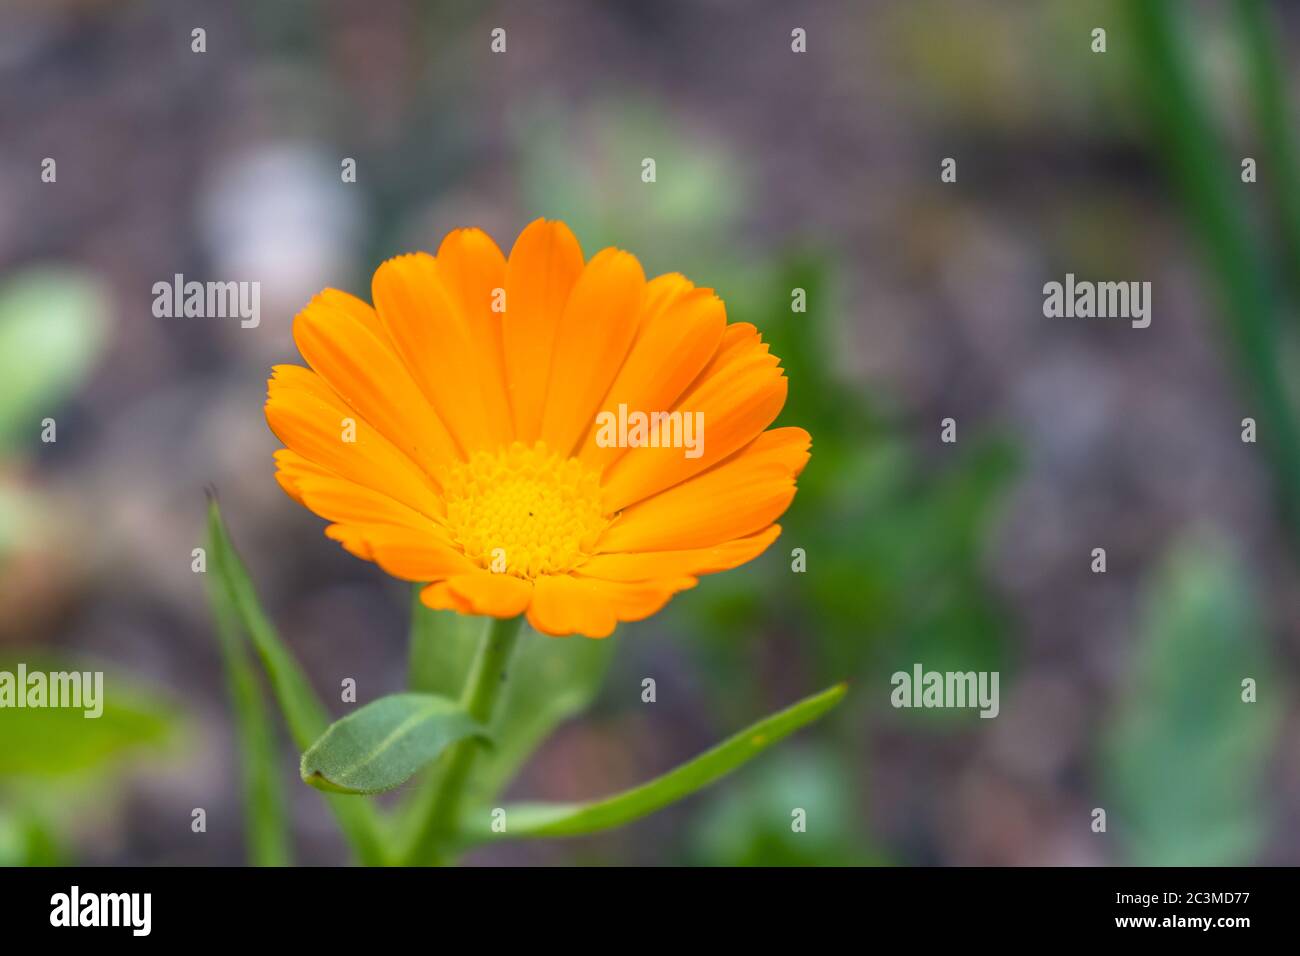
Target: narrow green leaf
[[532, 820], [266, 824], [385, 743], [304, 714]]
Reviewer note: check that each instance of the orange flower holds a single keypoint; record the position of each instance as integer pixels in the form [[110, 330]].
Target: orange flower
[[459, 432]]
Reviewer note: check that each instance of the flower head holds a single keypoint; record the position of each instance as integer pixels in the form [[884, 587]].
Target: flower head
[[536, 434]]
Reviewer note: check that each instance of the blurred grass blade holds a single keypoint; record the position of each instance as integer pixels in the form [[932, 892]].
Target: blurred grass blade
[[267, 828], [382, 745], [1268, 81], [304, 714], [1209, 183], [563, 820]]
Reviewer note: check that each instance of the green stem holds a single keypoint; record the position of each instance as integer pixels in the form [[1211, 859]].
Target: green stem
[[483, 686]]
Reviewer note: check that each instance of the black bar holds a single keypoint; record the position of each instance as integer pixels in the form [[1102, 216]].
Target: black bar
[[327, 908]]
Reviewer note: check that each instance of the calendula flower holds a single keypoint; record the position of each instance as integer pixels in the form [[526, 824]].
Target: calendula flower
[[482, 428]]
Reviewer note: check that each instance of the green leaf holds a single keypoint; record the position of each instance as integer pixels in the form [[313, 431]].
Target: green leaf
[[304, 714], [1185, 755], [52, 322], [532, 820], [385, 743]]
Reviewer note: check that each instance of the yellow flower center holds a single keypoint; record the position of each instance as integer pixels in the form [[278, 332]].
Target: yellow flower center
[[523, 511]]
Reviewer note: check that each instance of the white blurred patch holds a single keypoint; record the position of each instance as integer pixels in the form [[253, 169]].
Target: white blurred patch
[[280, 214]]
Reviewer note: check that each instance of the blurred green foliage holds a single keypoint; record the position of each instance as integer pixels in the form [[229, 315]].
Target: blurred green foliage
[[56, 763], [58, 742], [1185, 756], [751, 823], [586, 169], [53, 322]]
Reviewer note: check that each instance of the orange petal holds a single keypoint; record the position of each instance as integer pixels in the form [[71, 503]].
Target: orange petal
[[357, 310], [435, 340], [500, 595], [596, 331], [337, 499], [739, 497], [369, 377], [403, 553], [738, 394], [290, 468], [544, 265], [673, 345], [661, 294], [564, 605], [636, 600], [475, 270], [311, 420], [439, 596], [651, 565]]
